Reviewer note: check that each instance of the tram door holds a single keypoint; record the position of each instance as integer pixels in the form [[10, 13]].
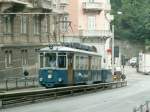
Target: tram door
[[89, 68], [70, 69]]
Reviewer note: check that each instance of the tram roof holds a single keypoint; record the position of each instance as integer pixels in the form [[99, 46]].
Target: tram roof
[[67, 49]]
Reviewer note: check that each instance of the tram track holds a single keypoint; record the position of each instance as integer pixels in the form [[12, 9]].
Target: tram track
[[26, 97]]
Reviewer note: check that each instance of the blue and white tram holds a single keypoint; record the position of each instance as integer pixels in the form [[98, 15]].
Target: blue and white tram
[[61, 65]]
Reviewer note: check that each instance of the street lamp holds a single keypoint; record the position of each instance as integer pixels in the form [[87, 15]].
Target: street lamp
[[113, 66], [113, 56], [109, 19]]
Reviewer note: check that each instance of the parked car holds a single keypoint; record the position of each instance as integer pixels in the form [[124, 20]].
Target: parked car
[[133, 62]]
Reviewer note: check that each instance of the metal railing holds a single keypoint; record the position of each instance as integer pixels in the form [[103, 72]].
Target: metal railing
[[32, 96], [64, 1], [17, 83], [93, 5], [47, 4], [143, 108], [96, 33]]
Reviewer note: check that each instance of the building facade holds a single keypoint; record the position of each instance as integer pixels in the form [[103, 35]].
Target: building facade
[[26, 26], [90, 23]]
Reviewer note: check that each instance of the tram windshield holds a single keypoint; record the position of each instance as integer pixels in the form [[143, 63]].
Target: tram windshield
[[62, 60], [50, 59]]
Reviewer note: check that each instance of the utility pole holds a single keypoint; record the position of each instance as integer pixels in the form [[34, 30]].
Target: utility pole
[[113, 66]]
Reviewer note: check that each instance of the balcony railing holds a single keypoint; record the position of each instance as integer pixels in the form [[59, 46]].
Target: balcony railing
[[93, 6], [45, 4], [11, 4], [63, 2], [95, 33], [60, 10]]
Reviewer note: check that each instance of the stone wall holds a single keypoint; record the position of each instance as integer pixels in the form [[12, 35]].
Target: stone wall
[[17, 66], [129, 49]]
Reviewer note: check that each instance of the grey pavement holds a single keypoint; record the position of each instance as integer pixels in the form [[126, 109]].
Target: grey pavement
[[14, 84], [116, 100]]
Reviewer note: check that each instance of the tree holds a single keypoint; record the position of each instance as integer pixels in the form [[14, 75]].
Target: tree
[[134, 23]]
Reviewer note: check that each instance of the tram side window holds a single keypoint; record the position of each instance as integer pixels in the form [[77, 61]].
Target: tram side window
[[77, 62], [81, 62], [41, 60], [50, 60], [62, 61], [86, 63], [99, 63], [92, 63], [96, 63]]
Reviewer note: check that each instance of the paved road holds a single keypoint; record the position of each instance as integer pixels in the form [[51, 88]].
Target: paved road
[[116, 100]]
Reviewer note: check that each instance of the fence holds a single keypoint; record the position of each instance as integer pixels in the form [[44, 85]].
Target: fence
[[16, 83], [143, 108], [32, 96]]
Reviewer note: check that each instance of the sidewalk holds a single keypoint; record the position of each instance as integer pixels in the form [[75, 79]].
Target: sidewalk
[[22, 90], [18, 83]]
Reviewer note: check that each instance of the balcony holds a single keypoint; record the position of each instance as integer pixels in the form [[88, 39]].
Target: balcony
[[60, 10], [92, 6], [14, 1], [45, 4], [15, 5], [63, 2], [95, 33]]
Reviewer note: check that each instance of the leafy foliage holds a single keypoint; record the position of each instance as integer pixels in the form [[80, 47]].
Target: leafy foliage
[[134, 22]]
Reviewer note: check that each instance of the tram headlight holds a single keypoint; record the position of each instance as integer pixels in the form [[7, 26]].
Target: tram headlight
[[59, 79], [41, 79], [49, 76]]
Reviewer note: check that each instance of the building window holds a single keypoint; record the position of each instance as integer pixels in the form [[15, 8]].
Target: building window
[[91, 0], [43, 26], [64, 23], [46, 24], [24, 57], [36, 25], [91, 23], [7, 26], [8, 58], [23, 24]]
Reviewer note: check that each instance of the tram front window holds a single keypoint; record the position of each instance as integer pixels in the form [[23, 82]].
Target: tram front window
[[62, 61], [50, 60]]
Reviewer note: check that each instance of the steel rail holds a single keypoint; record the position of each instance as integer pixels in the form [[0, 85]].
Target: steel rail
[[25, 97]]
